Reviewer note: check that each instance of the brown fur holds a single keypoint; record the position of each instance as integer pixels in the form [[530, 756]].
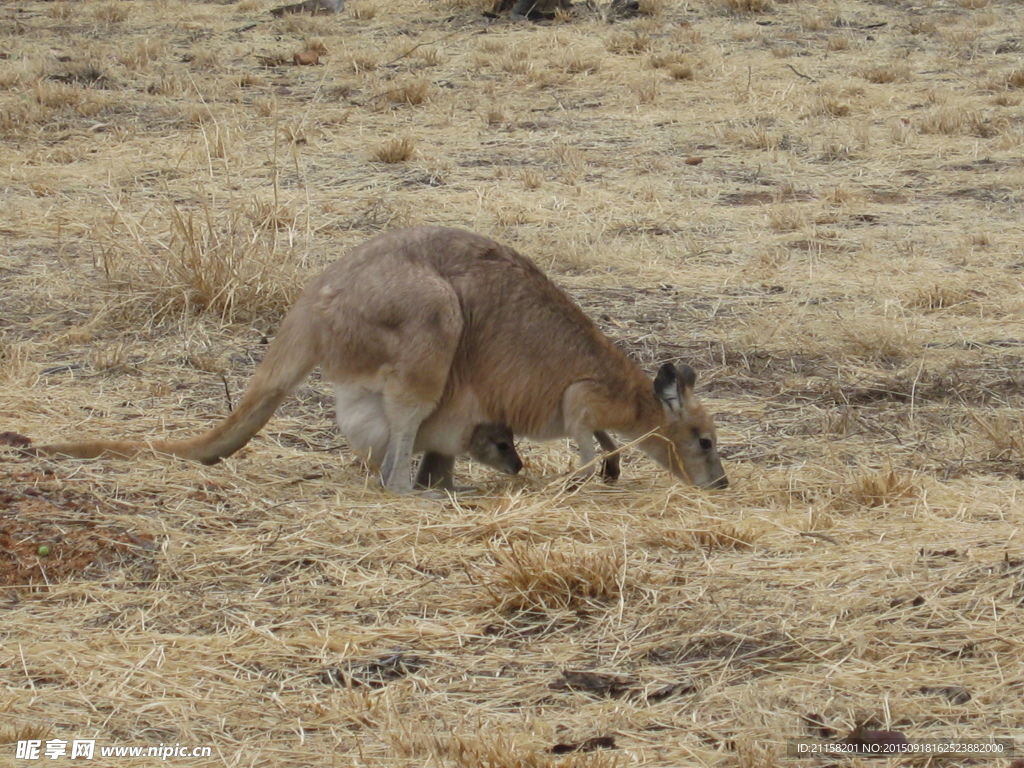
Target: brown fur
[[428, 332]]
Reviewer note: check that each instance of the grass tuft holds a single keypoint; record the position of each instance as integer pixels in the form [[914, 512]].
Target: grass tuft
[[544, 579], [112, 13], [629, 43], [886, 73], [413, 94], [395, 150], [364, 10], [227, 264], [1015, 79], [882, 488], [142, 54], [943, 296]]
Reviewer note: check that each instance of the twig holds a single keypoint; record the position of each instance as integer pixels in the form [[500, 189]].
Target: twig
[[801, 74], [328, 449], [438, 40], [227, 392]]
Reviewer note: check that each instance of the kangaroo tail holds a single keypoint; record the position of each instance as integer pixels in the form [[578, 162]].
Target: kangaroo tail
[[292, 355]]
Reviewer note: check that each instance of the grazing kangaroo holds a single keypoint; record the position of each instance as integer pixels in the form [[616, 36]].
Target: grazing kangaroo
[[431, 331]]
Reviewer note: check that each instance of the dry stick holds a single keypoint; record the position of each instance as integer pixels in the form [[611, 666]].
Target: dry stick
[[227, 392], [329, 448], [801, 74], [913, 393], [418, 45]]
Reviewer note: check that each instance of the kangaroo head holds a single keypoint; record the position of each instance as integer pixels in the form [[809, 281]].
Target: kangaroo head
[[685, 442], [494, 446]]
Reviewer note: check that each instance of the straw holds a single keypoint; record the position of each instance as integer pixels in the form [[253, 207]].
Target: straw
[[815, 205]]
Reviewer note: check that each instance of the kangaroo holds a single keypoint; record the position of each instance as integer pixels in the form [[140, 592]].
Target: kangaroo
[[431, 331]]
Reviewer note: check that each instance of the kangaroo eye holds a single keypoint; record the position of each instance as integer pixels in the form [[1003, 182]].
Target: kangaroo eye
[[706, 444]]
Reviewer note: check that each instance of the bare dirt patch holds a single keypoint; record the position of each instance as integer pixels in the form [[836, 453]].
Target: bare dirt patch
[[49, 537]]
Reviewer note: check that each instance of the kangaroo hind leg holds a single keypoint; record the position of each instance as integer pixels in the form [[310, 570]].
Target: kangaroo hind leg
[[415, 381], [404, 420]]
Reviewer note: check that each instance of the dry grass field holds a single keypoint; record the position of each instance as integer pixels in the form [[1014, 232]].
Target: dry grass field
[[817, 204]]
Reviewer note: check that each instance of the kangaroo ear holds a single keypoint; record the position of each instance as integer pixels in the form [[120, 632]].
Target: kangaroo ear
[[666, 387], [674, 385], [688, 377]]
